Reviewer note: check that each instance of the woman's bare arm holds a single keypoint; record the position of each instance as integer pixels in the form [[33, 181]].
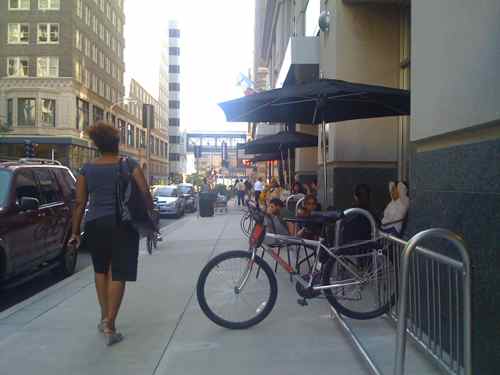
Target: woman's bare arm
[[140, 179], [81, 202]]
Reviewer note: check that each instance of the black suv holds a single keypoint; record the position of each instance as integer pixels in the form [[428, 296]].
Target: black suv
[[36, 201]]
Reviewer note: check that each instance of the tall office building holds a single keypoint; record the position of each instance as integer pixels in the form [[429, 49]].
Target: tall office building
[[171, 64], [61, 68]]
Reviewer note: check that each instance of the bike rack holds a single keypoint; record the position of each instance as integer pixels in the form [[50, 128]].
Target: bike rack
[[427, 342]]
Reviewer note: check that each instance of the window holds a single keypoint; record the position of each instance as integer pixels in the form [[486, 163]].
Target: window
[[50, 192], [19, 4], [47, 67], [26, 185], [17, 66], [113, 70], [101, 31], [119, 25], [48, 4], [87, 47], [174, 51], [26, 111], [174, 69], [101, 4], [130, 135], [108, 92], [113, 44], [98, 113], [165, 152], [49, 112], [108, 65], [94, 24], [113, 18], [157, 146], [175, 139], [174, 86], [88, 16], [108, 38], [48, 33], [137, 138], [143, 139], [94, 83], [10, 112], [78, 39], [101, 88], [123, 131], [79, 8], [78, 71], [86, 78], [108, 11], [94, 53], [174, 157], [174, 121], [174, 104], [174, 33], [101, 59], [19, 33]]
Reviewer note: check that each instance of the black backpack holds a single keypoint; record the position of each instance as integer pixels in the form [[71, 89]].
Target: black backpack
[[131, 204]]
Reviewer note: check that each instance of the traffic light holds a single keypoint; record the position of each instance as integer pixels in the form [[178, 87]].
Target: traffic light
[[29, 149]]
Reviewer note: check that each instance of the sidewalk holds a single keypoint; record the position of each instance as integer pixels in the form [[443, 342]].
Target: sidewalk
[[166, 333]]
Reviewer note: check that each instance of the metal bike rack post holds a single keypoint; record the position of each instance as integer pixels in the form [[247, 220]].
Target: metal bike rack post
[[403, 302]]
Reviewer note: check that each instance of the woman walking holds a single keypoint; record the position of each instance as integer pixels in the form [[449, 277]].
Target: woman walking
[[114, 245]]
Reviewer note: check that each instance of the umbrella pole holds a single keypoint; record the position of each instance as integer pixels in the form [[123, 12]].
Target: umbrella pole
[[289, 171], [282, 165], [323, 151]]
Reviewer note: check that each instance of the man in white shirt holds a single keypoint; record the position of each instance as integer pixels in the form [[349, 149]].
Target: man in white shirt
[[258, 187], [240, 190]]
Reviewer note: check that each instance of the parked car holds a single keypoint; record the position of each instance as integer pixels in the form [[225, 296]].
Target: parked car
[[169, 201], [36, 201], [190, 196]]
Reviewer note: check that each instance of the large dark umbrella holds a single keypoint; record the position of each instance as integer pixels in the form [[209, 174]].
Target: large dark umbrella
[[280, 142], [266, 157], [320, 101]]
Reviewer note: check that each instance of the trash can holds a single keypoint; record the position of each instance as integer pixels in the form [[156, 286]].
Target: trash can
[[207, 201]]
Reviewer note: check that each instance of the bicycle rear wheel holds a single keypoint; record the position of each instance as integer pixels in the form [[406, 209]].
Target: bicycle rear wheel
[[227, 306], [373, 296]]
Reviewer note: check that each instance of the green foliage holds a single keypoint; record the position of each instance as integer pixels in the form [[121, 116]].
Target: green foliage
[[221, 189], [195, 179]]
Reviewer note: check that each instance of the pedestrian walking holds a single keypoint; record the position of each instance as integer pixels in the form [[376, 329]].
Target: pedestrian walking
[[240, 190], [114, 244], [258, 187]]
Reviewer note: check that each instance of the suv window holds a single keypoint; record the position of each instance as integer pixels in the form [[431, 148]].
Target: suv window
[[50, 190], [5, 178], [66, 180], [26, 185]]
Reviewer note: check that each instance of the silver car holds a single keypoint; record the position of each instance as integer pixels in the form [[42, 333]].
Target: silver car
[[169, 200]]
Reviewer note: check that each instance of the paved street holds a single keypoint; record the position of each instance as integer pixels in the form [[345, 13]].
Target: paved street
[[20, 293], [166, 332]]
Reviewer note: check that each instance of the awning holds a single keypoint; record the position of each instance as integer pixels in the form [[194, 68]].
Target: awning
[[319, 101], [280, 142]]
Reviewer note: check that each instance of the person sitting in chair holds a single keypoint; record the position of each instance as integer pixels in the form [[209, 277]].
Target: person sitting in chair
[[396, 211]]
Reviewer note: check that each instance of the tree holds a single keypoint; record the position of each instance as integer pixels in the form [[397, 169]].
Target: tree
[[195, 179]]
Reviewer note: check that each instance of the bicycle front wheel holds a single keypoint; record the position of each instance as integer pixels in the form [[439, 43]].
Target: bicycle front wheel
[[221, 299], [371, 293]]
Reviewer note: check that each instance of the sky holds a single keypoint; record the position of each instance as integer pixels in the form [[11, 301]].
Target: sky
[[216, 45]]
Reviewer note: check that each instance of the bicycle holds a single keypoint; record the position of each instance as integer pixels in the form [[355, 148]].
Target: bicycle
[[357, 279], [246, 223]]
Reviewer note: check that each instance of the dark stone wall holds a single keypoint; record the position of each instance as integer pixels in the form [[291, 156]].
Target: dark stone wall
[[458, 188]]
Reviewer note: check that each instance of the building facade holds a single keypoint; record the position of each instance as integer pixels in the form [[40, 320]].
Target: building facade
[[61, 69], [446, 53], [157, 137], [177, 151]]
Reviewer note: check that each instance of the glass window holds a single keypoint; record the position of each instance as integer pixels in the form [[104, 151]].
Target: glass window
[[88, 16], [47, 67], [19, 4], [174, 51], [25, 185], [48, 4], [10, 112], [165, 192], [94, 24], [174, 157], [174, 33], [94, 53], [98, 113], [157, 146], [174, 104], [174, 86], [101, 31], [143, 139], [48, 33], [19, 33], [174, 121], [50, 192], [87, 47], [78, 39], [49, 112], [78, 71], [174, 69], [113, 20], [82, 114], [17, 66], [26, 111], [123, 131], [5, 178], [130, 135]]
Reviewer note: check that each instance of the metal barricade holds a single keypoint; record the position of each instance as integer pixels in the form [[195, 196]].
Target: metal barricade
[[432, 305]]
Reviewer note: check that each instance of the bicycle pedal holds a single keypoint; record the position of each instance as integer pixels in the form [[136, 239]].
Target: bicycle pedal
[[302, 302]]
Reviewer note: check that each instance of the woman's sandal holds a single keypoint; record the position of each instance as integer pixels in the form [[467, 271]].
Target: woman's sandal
[[102, 325], [112, 337]]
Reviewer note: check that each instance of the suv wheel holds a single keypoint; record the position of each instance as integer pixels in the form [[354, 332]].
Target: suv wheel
[[67, 262]]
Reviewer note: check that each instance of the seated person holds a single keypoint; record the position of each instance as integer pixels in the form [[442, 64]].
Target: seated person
[[308, 231], [273, 221], [396, 211], [358, 227]]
